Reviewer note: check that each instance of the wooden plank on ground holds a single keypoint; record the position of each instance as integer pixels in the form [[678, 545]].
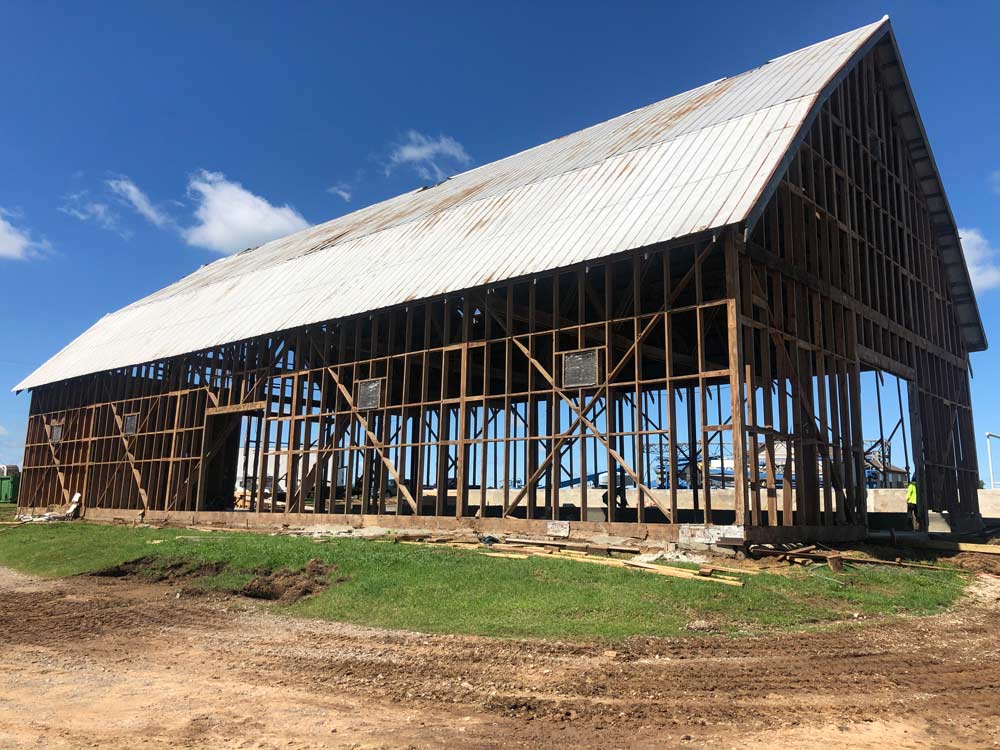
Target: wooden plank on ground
[[985, 549], [711, 567], [664, 570], [508, 555]]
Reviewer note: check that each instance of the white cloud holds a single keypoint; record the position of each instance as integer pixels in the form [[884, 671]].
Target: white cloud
[[231, 218], [81, 206], [431, 158], [342, 190], [129, 192], [3, 430], [982, 258], [15, 242]]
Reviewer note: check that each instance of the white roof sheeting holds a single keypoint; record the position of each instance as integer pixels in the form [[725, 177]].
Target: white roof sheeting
[[696, 161]]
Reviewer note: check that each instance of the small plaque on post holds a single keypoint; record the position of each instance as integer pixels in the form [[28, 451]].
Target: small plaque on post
[[580, 368]]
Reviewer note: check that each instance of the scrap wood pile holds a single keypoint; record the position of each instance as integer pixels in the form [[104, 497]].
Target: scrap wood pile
[[596, 554], [835, 559], [47, 516]]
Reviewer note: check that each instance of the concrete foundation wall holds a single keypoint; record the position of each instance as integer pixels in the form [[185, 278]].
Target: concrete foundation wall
[[894, 501]]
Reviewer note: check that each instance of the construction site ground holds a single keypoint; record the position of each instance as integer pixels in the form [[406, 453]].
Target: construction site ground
[[120, 663]]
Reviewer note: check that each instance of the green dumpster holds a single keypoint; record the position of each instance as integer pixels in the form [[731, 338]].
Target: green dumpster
[[8, 488]]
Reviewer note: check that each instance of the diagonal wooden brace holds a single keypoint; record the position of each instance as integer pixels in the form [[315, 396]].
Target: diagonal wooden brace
[[376, 443], [581, 418], [131, 458], [581, 414], [55, 460]]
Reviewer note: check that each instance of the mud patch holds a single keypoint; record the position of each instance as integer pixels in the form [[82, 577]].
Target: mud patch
[[158, 570], [287, 586], [975, 562], [284, 586]]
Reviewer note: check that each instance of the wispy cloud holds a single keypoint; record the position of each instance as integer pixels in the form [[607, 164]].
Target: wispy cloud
[[431, 158], [81, 205], [130, 193], [226, 216], [982, 258], [995, 181], [16, 242], [342, 190], [230, 218], [3, 430]]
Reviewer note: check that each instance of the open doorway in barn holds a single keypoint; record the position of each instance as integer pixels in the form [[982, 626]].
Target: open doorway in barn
[[229, 459], [888, 409]]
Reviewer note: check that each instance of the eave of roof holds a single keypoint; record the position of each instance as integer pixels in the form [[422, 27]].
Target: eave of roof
[[942, 219]]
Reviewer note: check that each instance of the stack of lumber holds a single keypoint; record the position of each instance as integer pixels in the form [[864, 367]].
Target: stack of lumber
[[834, 558]]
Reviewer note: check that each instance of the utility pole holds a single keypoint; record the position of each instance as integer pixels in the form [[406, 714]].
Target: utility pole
[[989, 456]]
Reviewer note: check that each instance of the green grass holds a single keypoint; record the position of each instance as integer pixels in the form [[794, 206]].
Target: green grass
[[446, 590], [7, 511]]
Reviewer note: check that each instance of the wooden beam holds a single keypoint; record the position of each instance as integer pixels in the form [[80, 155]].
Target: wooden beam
[[582, 418], [376, 443]]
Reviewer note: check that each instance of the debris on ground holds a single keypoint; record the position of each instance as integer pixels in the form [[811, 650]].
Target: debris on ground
[[834, 558], [701, 626], [67, 515], [520, 548]]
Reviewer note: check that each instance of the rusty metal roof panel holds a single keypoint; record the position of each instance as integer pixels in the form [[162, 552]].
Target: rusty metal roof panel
[[696, 161]]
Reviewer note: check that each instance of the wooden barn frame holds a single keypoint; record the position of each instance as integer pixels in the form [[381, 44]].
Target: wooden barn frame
[[711, 349]]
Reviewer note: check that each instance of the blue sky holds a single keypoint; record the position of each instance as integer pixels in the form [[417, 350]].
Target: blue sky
[[141, 141]]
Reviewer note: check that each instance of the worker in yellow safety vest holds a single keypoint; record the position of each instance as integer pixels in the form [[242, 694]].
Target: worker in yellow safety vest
[[911, 504]]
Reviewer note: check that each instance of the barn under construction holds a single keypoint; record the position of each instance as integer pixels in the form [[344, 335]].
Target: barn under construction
[[656, 326]]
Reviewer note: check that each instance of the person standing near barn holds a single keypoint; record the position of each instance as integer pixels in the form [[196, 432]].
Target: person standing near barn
[[911, 504]]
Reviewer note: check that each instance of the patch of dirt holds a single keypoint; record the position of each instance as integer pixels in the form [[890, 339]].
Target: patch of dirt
[[974, 562], [121, 663], [158, 570], [284, 585], [287, 586]]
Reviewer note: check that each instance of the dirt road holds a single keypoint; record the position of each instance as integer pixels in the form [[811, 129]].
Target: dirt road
[[111, 663]]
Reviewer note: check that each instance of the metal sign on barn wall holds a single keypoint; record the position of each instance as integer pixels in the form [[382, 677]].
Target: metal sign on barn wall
[[370, 394], [580, 369]]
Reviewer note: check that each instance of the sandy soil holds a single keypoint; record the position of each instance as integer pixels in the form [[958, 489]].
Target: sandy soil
[[112, 663]]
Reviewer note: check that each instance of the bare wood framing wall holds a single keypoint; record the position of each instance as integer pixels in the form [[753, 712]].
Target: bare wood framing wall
[[840, 275], [712, 380], [472, 417]]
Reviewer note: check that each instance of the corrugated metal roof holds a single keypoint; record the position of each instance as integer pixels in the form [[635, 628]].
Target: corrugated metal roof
[[696, 161]]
